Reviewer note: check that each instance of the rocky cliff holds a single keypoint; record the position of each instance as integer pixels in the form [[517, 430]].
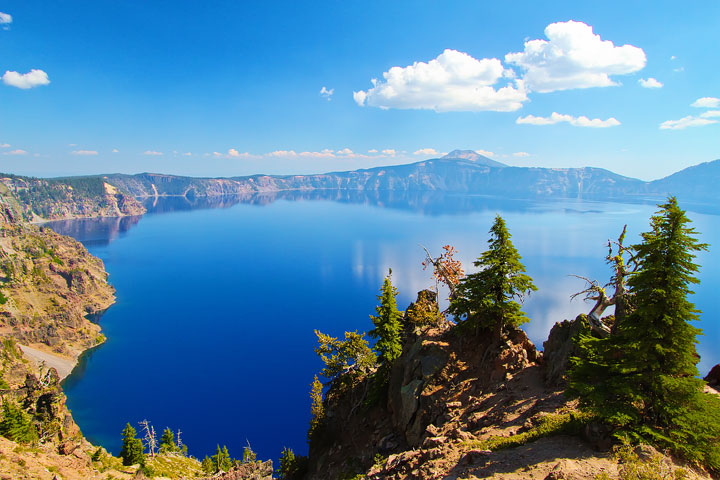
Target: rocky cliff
[[50, 287], [455, 410], [37, 199]]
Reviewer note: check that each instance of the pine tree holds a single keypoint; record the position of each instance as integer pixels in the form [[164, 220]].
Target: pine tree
[[642, 379], [221, 460], [317, 409], [132, 447], [167, 442], [488, 297], [207, 465], [17, 425], [388, 324]]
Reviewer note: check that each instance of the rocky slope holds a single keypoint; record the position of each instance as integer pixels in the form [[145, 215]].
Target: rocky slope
[[50, 199], [49, 288], [452, 411]]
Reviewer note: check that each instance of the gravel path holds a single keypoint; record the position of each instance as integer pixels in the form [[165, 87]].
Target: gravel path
[[63, 365]]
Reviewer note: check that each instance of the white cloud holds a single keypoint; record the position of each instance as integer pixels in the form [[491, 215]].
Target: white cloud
[[115, 150], [373, 150], [521, 154], [4, 145], [34, 78], [574, 57], [187, 154], [325, 153], [581, 121], [650, 83], [5, 18], [345, 151], [282, 153], [710, 114], [426, 151], [454, 81], [152, 153], [706, 102], [685, 122], [485, 153], [389, 151], [84, 152], [327, 93], [16, 152], [218, 154]]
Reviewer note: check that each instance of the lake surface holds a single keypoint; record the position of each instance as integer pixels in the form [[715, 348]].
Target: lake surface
[[217, 299]]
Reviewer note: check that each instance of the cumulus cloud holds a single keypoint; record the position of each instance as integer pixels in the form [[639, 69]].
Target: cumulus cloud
[[345, 151], [581, 121], [282, 153], [373, 150], [574, 57], [16, 152], [389, 151], [686, 122], [327, 93], [521, 154], [4, 145], [426, 151], [710, 114], [115, 150], [84, 152], [152, 153], [485, 153], [706, 102], [34, 78], [453, 81], [187, 154], [5, 19], [650, 83]]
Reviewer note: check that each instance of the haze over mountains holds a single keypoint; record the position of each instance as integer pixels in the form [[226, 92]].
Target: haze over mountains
[[460, 171]]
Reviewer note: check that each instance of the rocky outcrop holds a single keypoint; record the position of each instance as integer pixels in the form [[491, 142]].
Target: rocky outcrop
[[75, 197], [713, 377], [560, 346], [247, 471]]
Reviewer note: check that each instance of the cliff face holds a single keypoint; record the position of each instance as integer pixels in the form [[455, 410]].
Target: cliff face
[[50, 199], [459, 175], [453, 409], [49, 286]]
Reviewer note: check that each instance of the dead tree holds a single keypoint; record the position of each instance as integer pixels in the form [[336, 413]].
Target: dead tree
[[620, 297], [445, 269], [150, 438]]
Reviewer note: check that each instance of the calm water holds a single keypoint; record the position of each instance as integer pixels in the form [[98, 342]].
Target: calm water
[[212, 332]]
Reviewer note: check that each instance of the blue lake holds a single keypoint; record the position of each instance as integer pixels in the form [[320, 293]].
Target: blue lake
[[212, 331]]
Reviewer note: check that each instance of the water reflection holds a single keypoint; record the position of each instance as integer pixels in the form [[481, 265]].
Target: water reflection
[[95, 231]]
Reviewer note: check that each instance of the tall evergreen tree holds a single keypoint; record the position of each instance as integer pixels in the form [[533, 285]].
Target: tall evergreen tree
[[490, 296], [221, 460], [642, 379], [17, 425], [132, 447], [388, 324], [167, 442]]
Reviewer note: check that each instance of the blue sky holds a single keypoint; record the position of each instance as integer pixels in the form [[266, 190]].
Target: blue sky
[[223, 88]]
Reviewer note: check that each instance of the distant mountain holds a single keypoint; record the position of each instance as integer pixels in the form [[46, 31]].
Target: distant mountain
[[696, 183], [460, 171], [474, 157]]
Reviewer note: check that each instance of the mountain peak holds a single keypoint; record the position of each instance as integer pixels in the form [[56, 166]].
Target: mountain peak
[[474, 157]]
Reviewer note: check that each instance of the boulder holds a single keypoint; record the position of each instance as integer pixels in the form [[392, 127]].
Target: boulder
[[713, 378], [560, 346]]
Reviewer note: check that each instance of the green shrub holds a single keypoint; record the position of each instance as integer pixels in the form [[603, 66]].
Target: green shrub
[[17, 425]]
